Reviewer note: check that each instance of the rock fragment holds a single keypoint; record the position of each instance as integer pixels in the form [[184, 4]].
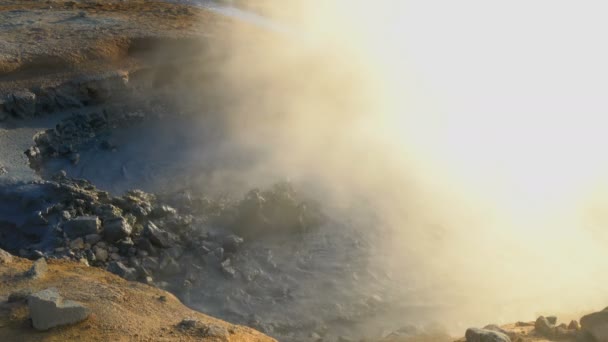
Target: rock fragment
[[48, 310], [5, 257], [38, 269], [82, 226], [544, 327], [158, 237], [116, 229], [122, 271], [483, 335]]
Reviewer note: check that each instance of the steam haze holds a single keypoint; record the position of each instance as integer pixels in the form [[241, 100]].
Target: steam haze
[[474, 131]]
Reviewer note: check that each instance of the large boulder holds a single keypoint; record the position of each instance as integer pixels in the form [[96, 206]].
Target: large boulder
[[82, 226], [159, 237], [48, 310], [484, 335], [122, 271], [544, 327], [596, 325], [116, 229]]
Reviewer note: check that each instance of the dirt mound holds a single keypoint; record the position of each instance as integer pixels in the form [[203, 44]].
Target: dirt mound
[[120, 310]]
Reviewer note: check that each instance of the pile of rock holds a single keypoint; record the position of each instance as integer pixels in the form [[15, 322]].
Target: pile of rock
[[166, 242], [76, 131]]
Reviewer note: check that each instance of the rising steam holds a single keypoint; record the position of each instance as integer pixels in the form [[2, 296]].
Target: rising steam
[[474, 129]]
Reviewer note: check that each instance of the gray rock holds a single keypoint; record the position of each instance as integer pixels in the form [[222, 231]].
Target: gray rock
[[552, 320], [150, 263], [543, 327], [5, 257], [81, 226], [101, 254], [48, 309], [92, 239], [77, 243], [596, 325], [496, 328], [122, 271], [116, 229], [169, 266], [22, 104], [227, 269], [158, 237], [231, 243], [38, 269], [163, 211], [483, 335], [574, 325]]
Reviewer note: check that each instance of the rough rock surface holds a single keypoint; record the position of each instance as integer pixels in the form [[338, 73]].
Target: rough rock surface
[[38, 269], [81, 226], [596, 325], [5, 257], [484, 335], [48, 310]]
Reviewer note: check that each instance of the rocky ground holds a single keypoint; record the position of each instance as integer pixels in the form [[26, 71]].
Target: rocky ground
[[70, 301]]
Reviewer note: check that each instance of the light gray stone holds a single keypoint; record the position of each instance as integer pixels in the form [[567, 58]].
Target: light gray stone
[[100, 253], [38, 269], [48, 310]]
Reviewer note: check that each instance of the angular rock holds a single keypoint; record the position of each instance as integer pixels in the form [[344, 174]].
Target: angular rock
[[543, 327], [122, 271], [101, 254], [116, 229], [574, 325], [158, 237], [5, 257], [231, 243], [81, 226], [552, 320], [21, 104], [596, 325], [92, 239], [38, 269], [77, 243], [483, 335], [48, 310]]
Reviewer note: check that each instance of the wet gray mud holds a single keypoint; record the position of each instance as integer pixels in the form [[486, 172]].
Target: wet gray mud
[[325, 279], [278, 259]]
